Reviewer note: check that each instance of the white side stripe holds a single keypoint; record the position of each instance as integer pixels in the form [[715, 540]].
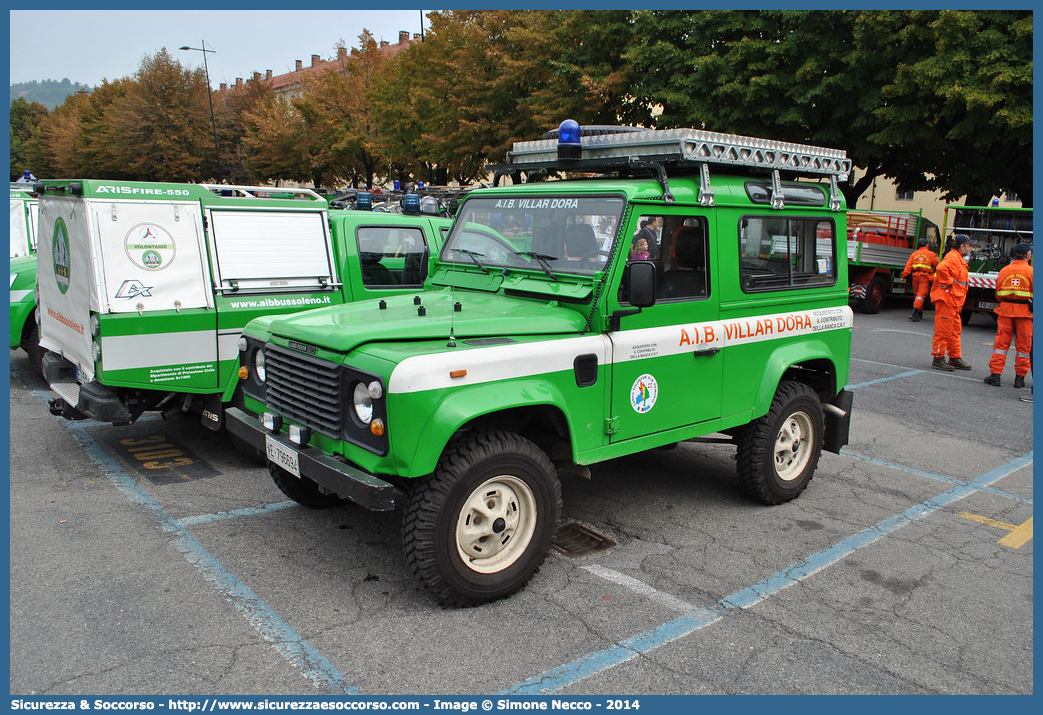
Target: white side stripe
[[504, 362]]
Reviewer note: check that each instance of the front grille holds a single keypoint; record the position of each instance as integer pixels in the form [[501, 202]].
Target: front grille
[[305, 389]]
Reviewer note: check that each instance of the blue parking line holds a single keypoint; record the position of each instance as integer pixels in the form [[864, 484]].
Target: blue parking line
[[936, 477], [236, 513], [587, 666], [301, 654]]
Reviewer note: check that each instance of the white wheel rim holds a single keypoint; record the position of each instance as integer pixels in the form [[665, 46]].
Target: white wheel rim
[[793, 446], [496, 524]]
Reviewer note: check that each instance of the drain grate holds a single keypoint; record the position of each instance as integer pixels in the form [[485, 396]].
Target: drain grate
[[575, 539]]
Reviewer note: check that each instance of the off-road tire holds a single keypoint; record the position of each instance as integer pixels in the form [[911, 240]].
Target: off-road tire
[[302, 490], [770, 470], [31, 346], [481, 480]]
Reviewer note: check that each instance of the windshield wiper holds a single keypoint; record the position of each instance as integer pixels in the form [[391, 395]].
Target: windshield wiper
[[542, 259], [473, 256]]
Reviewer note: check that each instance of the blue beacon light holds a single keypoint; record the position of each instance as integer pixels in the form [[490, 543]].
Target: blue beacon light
[[569, 146]]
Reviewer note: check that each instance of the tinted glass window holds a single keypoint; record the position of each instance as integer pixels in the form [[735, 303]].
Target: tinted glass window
[[777, 252], [392, 256], [677, 245]]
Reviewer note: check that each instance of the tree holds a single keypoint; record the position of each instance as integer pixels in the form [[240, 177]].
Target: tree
[[55, 147], [858, 81], [26, 117], [964, 102], [275, 140], [163, 123], [231, 108]]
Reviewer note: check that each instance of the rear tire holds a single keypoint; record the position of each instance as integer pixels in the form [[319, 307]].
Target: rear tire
[[777, 454], [479, 528], [876, 293], [31, 346], [302, 490]]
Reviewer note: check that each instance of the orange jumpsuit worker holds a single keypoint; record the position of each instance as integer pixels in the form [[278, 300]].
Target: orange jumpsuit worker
[[921, 264], [1014, 314], [948, 292]]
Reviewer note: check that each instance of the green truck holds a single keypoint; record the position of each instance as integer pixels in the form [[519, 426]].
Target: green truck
[[544, 341], [25, 209], [145, 287]]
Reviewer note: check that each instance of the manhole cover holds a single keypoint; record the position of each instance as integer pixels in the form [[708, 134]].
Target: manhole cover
[[575, 539]]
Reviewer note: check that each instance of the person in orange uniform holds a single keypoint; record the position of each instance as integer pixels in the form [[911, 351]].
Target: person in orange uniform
[[921, 265], [1014, 316], [948, 292]]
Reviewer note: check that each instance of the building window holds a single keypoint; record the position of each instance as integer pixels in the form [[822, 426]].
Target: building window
[[903, 195]]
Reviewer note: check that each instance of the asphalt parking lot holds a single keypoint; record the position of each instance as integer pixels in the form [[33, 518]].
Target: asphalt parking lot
[[906, 567]]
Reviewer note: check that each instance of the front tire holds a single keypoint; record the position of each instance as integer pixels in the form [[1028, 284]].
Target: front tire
[[479, 528], [777, 454]]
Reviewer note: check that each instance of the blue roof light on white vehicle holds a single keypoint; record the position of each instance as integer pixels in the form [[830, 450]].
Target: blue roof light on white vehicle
[[569, 145]]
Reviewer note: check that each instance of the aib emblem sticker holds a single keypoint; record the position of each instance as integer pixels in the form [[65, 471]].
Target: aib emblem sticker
[[60, 251], [644, 393], [149, 246]]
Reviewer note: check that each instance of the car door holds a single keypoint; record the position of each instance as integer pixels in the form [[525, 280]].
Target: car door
[[666, 359]]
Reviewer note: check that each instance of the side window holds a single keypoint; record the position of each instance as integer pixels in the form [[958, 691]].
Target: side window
[[786, 252], [392, 256], [677, 245]]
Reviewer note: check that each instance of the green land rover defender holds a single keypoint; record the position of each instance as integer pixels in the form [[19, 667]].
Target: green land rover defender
[[690, 283]]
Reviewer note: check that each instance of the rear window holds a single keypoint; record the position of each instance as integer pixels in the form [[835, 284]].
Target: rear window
[[777, 253]]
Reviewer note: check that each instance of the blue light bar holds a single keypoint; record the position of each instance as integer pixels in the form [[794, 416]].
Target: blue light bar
[[410, 203]]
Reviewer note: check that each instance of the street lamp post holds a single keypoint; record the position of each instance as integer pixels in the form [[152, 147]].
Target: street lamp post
[[210, 98]]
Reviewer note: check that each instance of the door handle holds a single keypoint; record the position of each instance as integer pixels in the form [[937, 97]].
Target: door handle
[[707, 352]]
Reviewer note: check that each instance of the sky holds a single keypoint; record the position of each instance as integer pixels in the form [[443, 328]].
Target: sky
[[87, 46]]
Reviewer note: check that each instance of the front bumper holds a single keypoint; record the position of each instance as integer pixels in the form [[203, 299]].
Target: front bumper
[[342, 479]]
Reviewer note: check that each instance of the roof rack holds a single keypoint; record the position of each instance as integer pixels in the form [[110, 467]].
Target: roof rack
[[261, 191], [692, 149]]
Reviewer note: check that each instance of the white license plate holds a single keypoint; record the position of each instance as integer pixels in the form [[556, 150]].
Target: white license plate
[[283, 456], [986, 305]]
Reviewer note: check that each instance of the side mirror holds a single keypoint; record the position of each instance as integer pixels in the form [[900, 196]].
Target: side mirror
[[641, 284]]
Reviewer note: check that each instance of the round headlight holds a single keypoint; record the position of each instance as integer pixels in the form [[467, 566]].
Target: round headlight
[[375, 390], [241, 344], [95, 351], [363, 403], [95, 325], [259, 365]]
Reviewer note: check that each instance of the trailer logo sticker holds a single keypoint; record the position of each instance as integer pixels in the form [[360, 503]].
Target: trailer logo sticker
[[150, 247], [644, 393], [60, 251], [132, 289]]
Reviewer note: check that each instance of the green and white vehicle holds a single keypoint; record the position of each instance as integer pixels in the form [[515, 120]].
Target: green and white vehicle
[[25, 211], [145, 287], [541, 344]]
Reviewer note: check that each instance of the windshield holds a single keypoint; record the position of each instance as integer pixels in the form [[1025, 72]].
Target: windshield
[[561, 234]]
